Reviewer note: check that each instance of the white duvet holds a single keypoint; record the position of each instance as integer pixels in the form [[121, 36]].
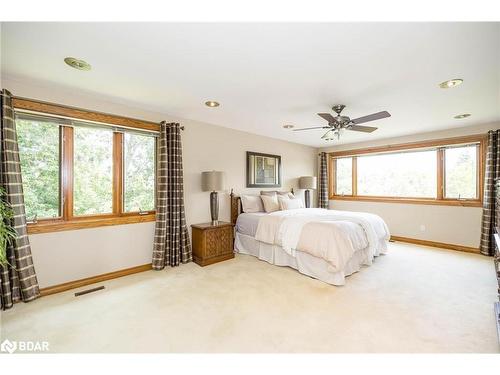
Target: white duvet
[[329, 234]]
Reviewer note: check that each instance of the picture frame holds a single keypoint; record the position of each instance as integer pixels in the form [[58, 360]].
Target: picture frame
[[263, 170]]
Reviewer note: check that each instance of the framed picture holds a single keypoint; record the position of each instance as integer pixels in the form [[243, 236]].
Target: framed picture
[[263, 170]]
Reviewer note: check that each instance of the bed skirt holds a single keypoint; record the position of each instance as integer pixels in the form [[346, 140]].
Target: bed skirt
[[304, 263]]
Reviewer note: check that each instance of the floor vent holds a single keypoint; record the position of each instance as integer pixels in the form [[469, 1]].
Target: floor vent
[[87, 291]]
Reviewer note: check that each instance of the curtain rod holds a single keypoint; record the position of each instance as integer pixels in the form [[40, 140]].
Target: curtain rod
[[27, 111], [74, 118], [107, 124], [180, 127]]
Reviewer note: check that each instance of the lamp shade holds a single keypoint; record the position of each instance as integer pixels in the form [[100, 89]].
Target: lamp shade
[[308, 182], [212, 180]]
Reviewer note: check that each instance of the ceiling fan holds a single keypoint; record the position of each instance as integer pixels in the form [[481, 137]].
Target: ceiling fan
[[339, 123]]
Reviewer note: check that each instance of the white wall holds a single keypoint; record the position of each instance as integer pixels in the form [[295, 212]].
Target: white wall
[[448, 224], [65, 256]]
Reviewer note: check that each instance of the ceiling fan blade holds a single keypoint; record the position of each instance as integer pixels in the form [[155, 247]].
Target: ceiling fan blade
[[315, 127], [360, 128], [372, 117], [327, 116]]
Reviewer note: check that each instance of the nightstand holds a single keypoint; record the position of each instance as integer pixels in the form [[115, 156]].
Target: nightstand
[[212, 243]]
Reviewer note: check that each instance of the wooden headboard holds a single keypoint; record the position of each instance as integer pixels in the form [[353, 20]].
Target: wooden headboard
[[236, 207]]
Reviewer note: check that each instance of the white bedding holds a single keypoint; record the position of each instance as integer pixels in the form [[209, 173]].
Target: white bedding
[[328, 234], [302, 262], [247, 222]]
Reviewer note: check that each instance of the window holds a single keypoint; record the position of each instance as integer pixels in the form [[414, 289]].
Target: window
[[93, 171], [139, 176], [435, 172], [461, 172], [343, 182], [410, 174], [39, 154], [80, 174]]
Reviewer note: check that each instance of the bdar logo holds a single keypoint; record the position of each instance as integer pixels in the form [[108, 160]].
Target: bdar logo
[[8, 346]]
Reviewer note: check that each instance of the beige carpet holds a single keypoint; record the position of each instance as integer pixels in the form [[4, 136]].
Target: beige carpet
[[415, 299]]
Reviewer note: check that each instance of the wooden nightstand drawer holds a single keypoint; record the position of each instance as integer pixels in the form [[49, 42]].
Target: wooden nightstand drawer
[[212, 244]]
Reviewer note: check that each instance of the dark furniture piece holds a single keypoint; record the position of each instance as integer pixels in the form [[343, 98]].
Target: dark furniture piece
[[212, 243]]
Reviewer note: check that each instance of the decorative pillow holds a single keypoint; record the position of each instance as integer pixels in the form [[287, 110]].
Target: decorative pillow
[[290, 204], [270, 203], [268, 192], [252, 203], [274, 192], [281, 198], [288, 194]]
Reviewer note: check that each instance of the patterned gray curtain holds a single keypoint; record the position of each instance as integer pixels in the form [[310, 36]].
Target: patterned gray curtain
[[171, 244], [492, 173], [323, 181], [18, 280]]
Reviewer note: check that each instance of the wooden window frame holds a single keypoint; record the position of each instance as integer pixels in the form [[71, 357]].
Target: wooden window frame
[[67, 220], [439, 145]]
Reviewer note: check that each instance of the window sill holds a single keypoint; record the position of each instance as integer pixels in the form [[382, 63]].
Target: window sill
[[439, 202], [47, 226]]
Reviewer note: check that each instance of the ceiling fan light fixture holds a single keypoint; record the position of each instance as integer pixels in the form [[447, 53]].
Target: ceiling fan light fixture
[[461, 116], [451, 83], [328, 134], [212, 103], [331, 135], [77, 63]]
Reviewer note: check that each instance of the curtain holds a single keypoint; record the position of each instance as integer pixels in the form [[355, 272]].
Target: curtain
[[492, 173], [171, 243], [323, 181], [18, 280]]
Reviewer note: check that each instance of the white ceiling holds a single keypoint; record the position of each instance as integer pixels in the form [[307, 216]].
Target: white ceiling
[[267, 75]]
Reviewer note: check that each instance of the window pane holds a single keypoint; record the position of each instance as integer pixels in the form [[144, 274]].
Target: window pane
[[139, 172], [93, 176], [411, 174], [343, 178], [461, 172], [39, 154]]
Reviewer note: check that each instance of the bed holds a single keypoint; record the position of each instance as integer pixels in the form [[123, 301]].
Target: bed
[[328, 245]]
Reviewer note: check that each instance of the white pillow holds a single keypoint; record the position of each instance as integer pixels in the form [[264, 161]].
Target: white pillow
[[270, 203], [252, 203], [290, 204], [288, 194], [281, 199], [268, 192]]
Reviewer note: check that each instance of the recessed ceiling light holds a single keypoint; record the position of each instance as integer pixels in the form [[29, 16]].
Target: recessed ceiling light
[[463, 115], [212, 104], [451, 83], [288, 126], [77, 64]]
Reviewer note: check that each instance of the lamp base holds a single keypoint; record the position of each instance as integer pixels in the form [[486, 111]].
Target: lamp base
[[214, 208], [307, 198]]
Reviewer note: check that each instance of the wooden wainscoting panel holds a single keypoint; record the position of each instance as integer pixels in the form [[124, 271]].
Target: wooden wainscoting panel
[[441, 245], [94, 279]]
